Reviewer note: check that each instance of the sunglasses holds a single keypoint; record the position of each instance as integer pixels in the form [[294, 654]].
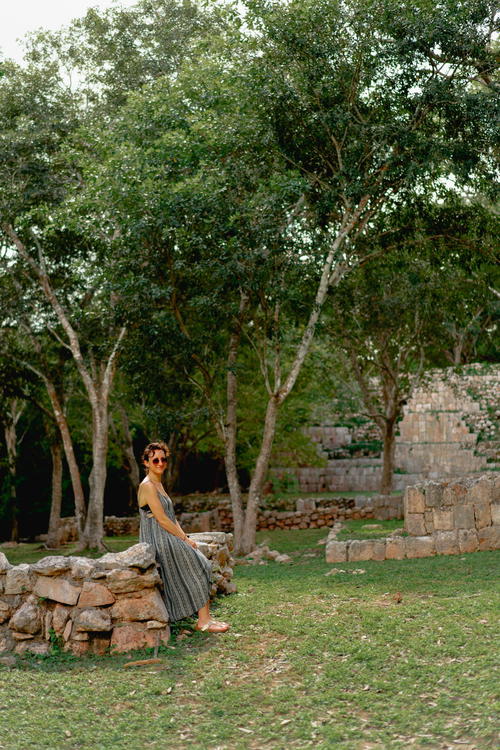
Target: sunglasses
[[159, 460]]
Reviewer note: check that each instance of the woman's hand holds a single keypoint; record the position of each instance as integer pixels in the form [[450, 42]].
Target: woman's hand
[[191, 543]]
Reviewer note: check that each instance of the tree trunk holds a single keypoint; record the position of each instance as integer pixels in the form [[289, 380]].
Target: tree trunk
[[247, 543], [74, 470], [11, 443], [128, 450], [389, 439], [94, 525], [230, 429], [55, 506], [10, 432]]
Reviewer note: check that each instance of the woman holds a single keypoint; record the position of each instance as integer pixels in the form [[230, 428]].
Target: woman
[[185, 571]]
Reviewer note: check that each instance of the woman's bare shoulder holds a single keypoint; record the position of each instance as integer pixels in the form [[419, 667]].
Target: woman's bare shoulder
[[146, 490]]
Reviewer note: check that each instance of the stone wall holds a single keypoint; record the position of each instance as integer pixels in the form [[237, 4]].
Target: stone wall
[[450, 428], [302, 514], [312, 514], [92, 606], [443, 518]]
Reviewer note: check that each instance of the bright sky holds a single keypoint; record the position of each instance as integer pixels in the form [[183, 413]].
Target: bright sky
[[17, 17]]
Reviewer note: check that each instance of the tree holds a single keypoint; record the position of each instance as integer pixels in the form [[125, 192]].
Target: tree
[[390, 316], [346, 112], [73, 297]]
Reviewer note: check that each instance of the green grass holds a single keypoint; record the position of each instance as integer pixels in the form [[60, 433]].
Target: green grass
[[400, 656], [367, 529]]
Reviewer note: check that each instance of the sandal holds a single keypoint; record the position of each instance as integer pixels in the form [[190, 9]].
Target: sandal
[[212, 626]]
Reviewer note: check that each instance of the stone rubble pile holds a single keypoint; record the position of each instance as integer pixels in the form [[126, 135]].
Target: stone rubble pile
[[441, 518], [262, 553], [90, 606]]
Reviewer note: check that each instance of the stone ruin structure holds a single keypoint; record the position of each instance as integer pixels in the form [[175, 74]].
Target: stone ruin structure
[[92, 606], [441, 518], [450, 429], [303, 513]]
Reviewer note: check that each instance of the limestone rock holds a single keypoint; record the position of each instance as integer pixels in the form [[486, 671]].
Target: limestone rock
[[442, 520], [464, 517], [467, 540], [41, 648], [419, 546], [100, 643], [5, 611], [149, 606], [46, 624], [52, 566], [129, 581], [139, 556], [220, 537], [495, 514], [482, 514], [446, 542], [282, 559], [7, 661], [19, 580], [395, 548], [336, 552], [22, 636], [95, 595], [27, 619], [135, 635], [414, 501], [93, 619], [60, 618], [433, 494], [379, 546], [366, 549], [489, 537], [78, 648], [57, 589], [5, 643], [155, 624], [414, 524], [82, 567], [67, 630], [4, 563], [80, 636]]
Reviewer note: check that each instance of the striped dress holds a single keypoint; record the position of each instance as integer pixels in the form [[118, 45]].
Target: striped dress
[[186, 573]]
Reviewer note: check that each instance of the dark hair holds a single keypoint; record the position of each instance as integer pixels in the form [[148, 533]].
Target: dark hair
[[150, 448]]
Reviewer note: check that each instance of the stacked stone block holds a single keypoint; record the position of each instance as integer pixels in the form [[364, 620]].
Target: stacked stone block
[[449, 429], [90, 606], [441, 518]]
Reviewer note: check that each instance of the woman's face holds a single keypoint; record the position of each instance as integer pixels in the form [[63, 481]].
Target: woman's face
[[156, 463]]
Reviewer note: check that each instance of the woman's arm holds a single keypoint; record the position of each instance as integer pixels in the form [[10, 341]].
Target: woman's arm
[[188, 540], [147, 494]]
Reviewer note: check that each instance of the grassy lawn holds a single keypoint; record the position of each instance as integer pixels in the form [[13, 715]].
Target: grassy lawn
[[402, 655]]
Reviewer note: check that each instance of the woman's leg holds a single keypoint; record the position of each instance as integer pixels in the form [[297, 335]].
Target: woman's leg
[[206, 623]]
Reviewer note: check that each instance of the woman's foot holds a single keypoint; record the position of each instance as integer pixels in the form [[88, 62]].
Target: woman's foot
[[213, 626]]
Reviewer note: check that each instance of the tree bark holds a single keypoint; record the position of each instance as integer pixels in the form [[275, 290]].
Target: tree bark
[[389, 441], [74, 470], [131, 464], [230, 430], [247, 542], [93, 533], [55, 506], [10, 431]]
